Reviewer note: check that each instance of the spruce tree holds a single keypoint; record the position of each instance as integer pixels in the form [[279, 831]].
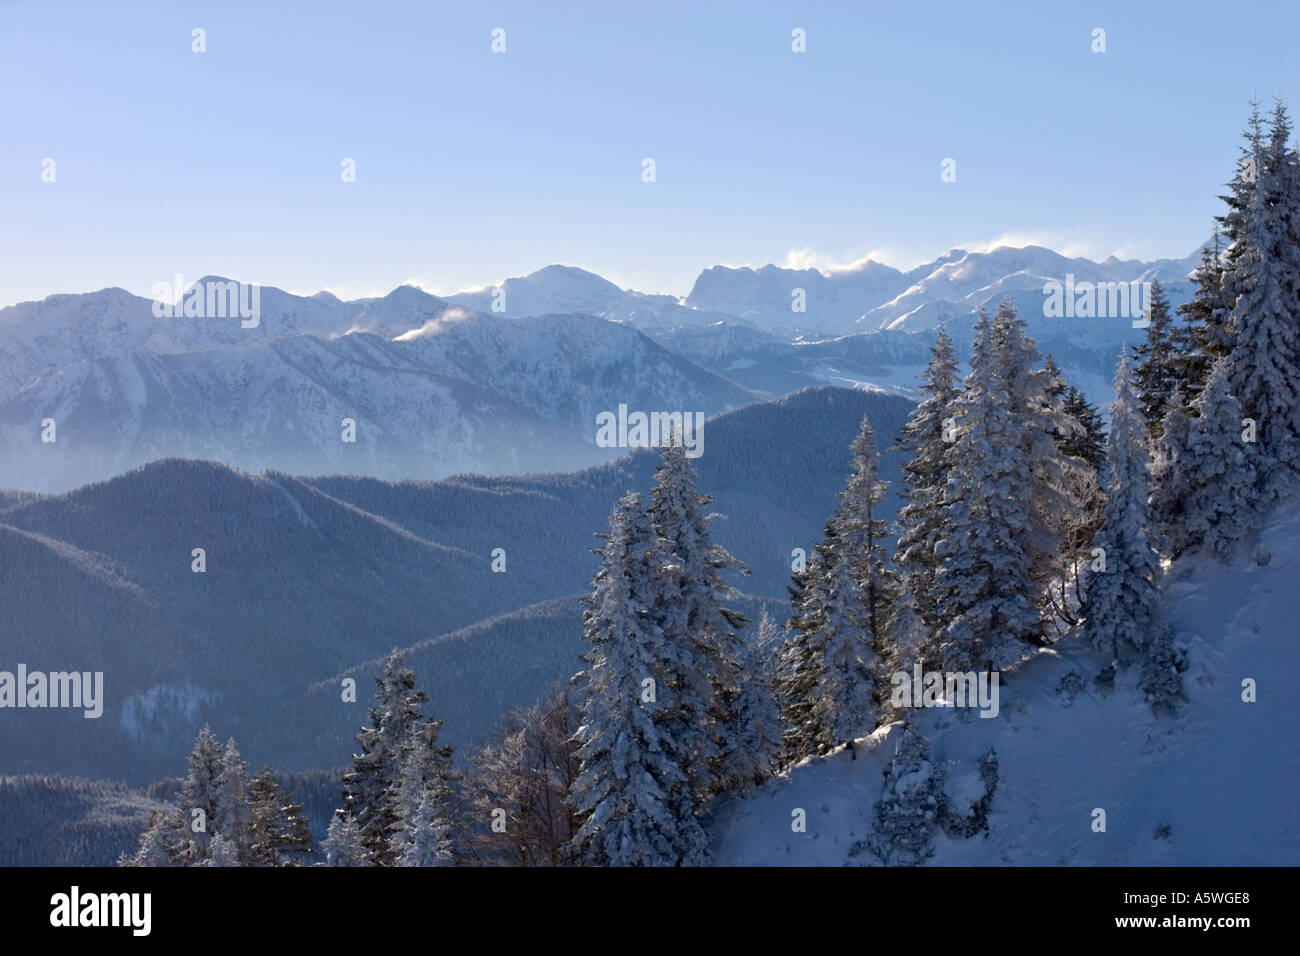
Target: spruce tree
[[830, 680], [165, 841], [1124, 599], [633, 796], [200, 800], [1168, 477], [1161, 681], [1156, 362], [924, 442], [910, 802], [1087, 441], [423, 799], [910, 638], [831, 683], [1233, 226], [845, 689], [758, 717], [233, 817], [1036, 415], [863, 536], [989, 598], [279, 834], [342, 845], [690, 607], [1263, 275], [797, 665], [369, 790], [1217, 472], [1201, 337], [1081, 442]]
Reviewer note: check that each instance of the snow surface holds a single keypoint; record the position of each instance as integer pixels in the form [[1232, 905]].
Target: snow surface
[[1221, 775]]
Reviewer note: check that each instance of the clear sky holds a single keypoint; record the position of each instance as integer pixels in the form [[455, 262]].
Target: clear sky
[[472, 165]]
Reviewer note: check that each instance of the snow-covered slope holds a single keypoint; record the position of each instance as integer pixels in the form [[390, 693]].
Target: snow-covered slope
[[1220, 777]]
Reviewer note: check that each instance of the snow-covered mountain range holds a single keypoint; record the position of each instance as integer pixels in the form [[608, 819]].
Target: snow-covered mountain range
[[502, 380]]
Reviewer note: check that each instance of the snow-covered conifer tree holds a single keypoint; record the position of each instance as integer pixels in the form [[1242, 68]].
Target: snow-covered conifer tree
[[342, 845], [201, 796], [861, 535], [989, 598], [690, 610], [924, 441], [1036, 416], [633, 795], [1168, 478], [165, 841], [1160, 680], [1201, 338], [278, 831], [1123, 604], [828, 682], [1087, 442], [910, 802], [233, 816], [424, 799], [369, 790], [1156, 370], [911, 641], [1263, 276], [756, 742], [1217, 471]]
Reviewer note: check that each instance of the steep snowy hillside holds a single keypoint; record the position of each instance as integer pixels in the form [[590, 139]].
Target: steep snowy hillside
[[1213, 786]]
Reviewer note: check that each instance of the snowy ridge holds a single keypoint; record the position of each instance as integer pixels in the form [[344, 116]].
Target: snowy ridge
[[1218, 776]]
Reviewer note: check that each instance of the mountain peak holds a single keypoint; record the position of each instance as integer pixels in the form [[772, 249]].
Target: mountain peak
[[559, 271]]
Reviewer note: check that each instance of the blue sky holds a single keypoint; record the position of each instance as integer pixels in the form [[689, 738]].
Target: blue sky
[[473, 166]]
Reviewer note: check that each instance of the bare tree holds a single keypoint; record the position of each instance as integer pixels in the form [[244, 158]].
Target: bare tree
[[517, 789]]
